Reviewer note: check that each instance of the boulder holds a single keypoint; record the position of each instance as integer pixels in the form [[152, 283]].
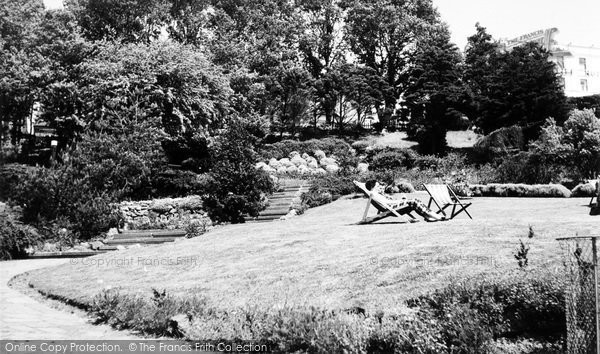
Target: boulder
[[96, 245], [292, 169], [285, 162], [320, 171], [281, 170], [332, 168], [362, 167], [260, 165], [274, 163], [319, 154], [293, 154], [327, 161], [298, 161], [313, 164], [302, 169], [305, 156]]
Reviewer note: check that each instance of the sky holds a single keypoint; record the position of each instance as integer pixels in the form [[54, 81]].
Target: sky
[[578, 21]]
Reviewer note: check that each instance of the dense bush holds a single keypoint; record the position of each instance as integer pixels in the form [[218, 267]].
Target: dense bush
[[15, 238], [520, 305], [468, 316], [584, 190], [532, 168], [61, 197], [391, 159], [500, 142], [520, 190], [11, 175], [236, 187]]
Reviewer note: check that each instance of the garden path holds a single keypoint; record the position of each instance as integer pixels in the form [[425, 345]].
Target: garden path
[[24, 318]]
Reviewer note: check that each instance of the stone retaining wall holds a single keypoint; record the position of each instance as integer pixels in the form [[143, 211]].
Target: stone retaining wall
[[169, 213]]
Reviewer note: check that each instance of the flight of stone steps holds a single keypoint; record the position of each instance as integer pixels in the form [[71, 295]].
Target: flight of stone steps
[[142, 237], [123, 240], [281, 201]]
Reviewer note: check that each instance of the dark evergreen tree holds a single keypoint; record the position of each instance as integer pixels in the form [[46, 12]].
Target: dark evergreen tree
[[433, 90], [516, 87]]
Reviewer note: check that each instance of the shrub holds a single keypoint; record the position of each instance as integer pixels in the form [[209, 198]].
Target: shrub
[[236, 187], [392, 159], [148, 315], [62, 195], [582, 133], [11, 175], [531, 168], [500, 142], [584, 190], [525, 304], [521, 190], [15, 238]]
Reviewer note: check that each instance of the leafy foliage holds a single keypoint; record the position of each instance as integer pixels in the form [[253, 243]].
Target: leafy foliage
[[433, 90], [237, 187], [516, 87]]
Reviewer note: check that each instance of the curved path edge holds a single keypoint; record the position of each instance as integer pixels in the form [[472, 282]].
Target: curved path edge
[[24, 318]]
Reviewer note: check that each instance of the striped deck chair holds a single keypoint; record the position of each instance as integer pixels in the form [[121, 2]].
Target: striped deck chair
[[443, 197], [385, 207]]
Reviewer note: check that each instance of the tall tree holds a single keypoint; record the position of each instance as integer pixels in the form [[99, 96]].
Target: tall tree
[[382, 34], [516, 87], [433, 89], [130, 21]]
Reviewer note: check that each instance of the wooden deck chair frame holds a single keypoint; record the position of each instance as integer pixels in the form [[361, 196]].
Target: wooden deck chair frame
[[383, 210], [451, 200]]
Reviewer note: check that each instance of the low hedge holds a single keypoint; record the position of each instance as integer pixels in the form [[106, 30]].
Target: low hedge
[[584, 190], [520, 190], [467, 316]]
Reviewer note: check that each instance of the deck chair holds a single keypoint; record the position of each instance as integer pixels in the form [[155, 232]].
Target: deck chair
[[443, 197], [383, 205]]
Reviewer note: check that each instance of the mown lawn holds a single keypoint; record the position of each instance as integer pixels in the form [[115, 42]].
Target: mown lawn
[[322, 258]]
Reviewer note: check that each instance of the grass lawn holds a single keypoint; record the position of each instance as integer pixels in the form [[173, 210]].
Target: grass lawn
[[322, 258], [398, 140]]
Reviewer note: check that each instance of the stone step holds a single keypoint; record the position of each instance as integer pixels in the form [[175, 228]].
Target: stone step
[[66, 254], [157, 232], [142, 240], [274, 212], [107, 248], [153, 234]]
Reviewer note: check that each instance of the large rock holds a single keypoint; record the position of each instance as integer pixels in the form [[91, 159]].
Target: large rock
[[282, 170], [306, 156], [332, 168], [313, 164], [319, 154], [326, 161], [293, 154], [298, 161], [274, 163], [320, 171], [302, 169], [261, 165], [292, 169], [362, 167], [285, 162]]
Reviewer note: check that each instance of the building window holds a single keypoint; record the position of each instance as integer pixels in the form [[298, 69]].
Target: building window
[[584, 86], [582, 64]]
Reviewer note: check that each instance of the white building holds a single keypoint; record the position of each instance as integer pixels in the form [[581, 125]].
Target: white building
[[578, 66]]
